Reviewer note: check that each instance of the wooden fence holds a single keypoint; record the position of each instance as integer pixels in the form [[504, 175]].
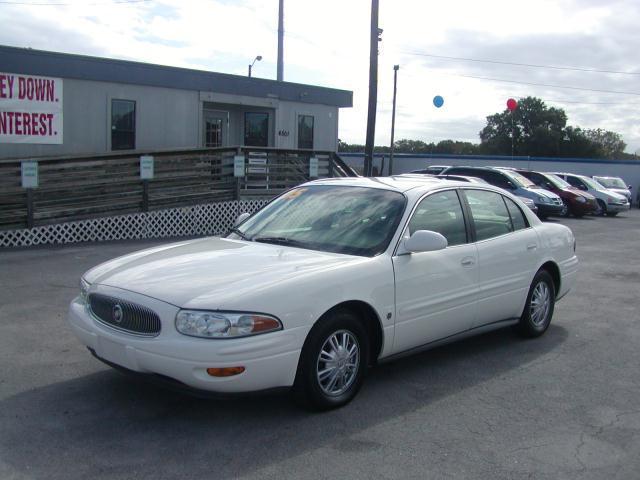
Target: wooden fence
[[75, 188]]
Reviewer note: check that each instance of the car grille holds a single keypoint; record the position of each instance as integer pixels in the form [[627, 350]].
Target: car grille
[[124, 315], [557, 201]]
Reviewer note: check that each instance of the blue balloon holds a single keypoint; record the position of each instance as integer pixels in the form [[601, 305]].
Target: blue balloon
[[438, 101]]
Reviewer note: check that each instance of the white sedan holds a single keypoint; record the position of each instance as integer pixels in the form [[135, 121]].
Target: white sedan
[[326, 280]]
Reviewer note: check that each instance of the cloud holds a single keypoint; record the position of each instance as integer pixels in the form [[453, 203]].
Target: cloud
[[326, 43]]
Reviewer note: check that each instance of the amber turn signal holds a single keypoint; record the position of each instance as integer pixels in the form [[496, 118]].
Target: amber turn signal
[[225, 372]]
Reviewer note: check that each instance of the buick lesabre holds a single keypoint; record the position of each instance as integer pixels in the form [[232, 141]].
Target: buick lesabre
[[324, 282]]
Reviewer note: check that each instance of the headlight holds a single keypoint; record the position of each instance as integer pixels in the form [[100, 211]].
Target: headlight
[[544, 200], [581, 199], [84, 290], [198, 323]]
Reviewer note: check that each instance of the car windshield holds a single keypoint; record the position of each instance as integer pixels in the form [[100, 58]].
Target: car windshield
[[339, 219], [592, 183], [610, 182], [557, 181], [519, 179]]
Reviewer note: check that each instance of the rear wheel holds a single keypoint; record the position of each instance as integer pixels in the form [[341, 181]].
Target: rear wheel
[[333, 362], [538, 310]]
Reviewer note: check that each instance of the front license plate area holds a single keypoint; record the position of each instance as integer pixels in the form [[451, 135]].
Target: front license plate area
[[115, 353]]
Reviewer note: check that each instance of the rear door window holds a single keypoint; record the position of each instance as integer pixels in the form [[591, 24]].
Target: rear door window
[[489, 213], [518, 219]]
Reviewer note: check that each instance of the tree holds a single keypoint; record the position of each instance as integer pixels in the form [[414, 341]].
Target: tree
[[610, 143], [536, 129]]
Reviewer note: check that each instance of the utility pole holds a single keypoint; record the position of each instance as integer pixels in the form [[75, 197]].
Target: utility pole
[[393, 116], [280, 40], [373, 89]]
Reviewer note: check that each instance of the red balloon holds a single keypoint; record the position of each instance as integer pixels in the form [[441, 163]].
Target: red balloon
[[512, 104]]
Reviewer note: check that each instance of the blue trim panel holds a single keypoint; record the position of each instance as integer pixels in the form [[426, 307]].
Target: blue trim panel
[[502, 158]]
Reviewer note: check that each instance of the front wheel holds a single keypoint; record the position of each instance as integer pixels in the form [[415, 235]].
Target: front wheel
[[538, 310], [611, 214], [602, 208], [565, 209], [333, 362]]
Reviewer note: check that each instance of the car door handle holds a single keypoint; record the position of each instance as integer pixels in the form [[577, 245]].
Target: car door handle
[[532, 246], [467, 261]]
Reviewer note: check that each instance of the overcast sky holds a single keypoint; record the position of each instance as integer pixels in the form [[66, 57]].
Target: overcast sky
[[326, 43]]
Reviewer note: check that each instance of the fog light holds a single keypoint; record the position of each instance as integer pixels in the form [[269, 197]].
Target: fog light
[[225, 372]]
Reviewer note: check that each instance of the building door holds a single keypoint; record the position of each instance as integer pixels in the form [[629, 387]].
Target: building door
[[216, 126], [256, 129]]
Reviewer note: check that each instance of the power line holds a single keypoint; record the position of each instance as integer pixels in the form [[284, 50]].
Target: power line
[[568, 87], [531, 65], [67, 4], [588, 103]]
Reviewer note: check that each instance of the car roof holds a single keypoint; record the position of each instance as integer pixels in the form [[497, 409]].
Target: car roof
[[399, 183]]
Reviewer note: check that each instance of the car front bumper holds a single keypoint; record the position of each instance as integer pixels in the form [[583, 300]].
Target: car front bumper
[[270, 360], [617, 207], [546, 209], [583, 208]]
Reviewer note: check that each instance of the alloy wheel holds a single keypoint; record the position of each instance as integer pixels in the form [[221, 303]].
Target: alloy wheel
[[338, 363], [540, 303]]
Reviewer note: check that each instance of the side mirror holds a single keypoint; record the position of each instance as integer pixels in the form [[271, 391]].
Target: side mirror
[[423, 241], [511, 186], [629, 187], [241, 218]]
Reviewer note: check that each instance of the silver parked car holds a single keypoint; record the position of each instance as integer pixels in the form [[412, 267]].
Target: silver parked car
[[615, 184]]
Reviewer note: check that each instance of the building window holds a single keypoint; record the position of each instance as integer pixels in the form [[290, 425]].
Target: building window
[[256, 129], [123, 125], [305, 131]]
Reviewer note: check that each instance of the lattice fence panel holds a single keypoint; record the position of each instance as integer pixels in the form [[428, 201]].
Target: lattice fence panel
[[205, 219]]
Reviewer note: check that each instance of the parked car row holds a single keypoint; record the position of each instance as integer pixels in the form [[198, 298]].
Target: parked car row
[[552, 193]]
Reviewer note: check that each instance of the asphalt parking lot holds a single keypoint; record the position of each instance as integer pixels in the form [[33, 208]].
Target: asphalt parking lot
[[566, 405]]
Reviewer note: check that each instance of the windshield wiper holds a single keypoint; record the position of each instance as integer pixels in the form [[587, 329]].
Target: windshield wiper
[[277, 240], [239, 233]]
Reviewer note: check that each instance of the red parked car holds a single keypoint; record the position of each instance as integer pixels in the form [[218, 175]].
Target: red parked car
[[578, 203]]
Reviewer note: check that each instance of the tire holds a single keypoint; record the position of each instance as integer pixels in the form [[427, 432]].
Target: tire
[[602, 208], [315, 386], [577, 215], [536, 317], [565, 209], [611, 214]]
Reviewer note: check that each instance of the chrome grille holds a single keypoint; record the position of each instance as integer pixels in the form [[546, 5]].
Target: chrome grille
[[123, 315]]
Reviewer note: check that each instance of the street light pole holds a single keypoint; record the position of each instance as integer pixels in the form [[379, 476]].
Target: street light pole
[[393, 116], [258, 58]]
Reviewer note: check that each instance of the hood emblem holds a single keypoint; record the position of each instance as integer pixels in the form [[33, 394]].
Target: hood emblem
[[117, 314]]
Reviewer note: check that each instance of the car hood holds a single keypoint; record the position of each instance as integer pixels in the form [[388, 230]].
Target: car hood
[[621, 191], [182, 272], [611, 193], [579, 193]]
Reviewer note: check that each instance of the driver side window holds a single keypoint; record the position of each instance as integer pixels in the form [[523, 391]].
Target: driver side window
[[441, 212]]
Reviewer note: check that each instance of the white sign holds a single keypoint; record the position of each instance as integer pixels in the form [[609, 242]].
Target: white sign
[[30, 109], [238, 166], [29, 174], [313, 167], [146, 167]]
